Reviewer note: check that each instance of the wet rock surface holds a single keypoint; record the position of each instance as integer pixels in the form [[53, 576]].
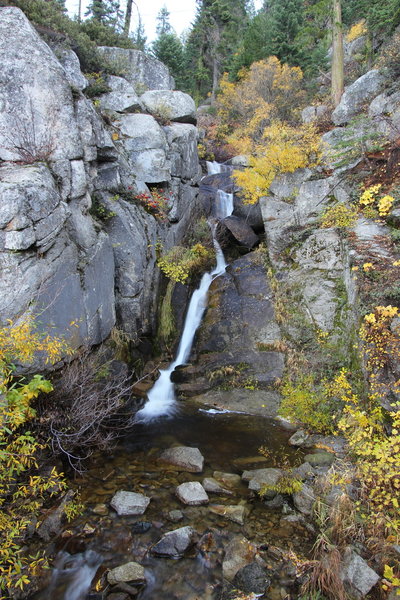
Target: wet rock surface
[[129, 503], [130, 572], [192, 493], [175, 543], [184, 457]]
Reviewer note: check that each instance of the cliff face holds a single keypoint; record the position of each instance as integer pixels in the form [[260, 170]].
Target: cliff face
[[60, 163]]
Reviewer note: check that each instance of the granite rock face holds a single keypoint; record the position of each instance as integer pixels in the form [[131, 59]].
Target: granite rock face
[[141, 70], [60, 167]]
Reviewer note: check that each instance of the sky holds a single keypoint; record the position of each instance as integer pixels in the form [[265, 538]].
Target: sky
[[182, 13]]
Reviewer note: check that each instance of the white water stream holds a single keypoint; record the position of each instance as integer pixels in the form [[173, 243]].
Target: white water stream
[[161, 397]]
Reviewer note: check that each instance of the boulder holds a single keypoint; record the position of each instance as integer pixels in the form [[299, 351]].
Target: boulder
[[184, 457], [313, 113], [182, 141], [236, 230], [239, 552], [140, 69], [170, 105], [175, 543], [362, 91], [258, 478], [235, 513], [356, 574], [252, 578], [192, 493], [211, 485], [175, 516], [51, 526], [72, 68], [39, 122], [129, 503], [304, 500], [122, 98], [129, 572], [145, 144], [320, 459]]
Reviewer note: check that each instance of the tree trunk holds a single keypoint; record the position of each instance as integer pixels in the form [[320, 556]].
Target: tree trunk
[[80, 11], [337, 54], [128, 16]]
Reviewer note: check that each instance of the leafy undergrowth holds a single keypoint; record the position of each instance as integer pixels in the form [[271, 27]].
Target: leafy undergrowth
[[23, 489]]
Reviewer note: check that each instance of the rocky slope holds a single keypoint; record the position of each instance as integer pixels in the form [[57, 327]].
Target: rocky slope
[[66, 160]]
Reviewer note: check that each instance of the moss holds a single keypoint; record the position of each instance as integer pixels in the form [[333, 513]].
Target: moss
[[167, 326]]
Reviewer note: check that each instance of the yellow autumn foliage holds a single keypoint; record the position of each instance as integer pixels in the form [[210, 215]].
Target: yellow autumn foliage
[[282, 149]]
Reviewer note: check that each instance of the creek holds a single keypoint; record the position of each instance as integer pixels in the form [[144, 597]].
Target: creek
[[229, 442]]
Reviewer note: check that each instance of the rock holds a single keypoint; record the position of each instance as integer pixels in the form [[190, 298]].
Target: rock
[[175, 516], [304, 500], [211, 485], [130, 572], [321, 250], [304, 471], [239, 552], [186, 458], [129, 503], [192, 493], [101, 510], [259, 478], [182, 141], [299, 438], [356, 574], [235, 513], [122, 98], [139, 68], [40, 111], [264, 403], [72, 68], [240, 161], [320, 459], [141, 527], [145, 144], [230, 480], [234, 229], [360, 92], [51, 525], [252, 578], [175, 543], [313, 113], [173, 106], [250, 213]]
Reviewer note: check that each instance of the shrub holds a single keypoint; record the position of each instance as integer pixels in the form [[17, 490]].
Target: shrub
[[308, 402], [179, 264], [22, 489], [283, 149], [338, 216]]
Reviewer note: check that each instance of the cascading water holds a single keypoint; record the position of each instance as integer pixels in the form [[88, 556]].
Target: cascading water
[[213, 168], [161, 397]]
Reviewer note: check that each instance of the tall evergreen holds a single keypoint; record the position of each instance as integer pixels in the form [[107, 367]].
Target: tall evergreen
[[139, 37], [214, 39], [168, 48], [106, 12]]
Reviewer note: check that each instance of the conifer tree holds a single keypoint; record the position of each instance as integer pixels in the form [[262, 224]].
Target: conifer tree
[[106, 12], [168, 48], [139, 36]]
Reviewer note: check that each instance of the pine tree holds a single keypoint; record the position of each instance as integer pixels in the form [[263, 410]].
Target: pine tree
[[169, 49], [106, 12], [285, 18], [214, 39], [139, 36], [163, 24]]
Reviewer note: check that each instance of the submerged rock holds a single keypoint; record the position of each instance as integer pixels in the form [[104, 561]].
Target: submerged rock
[[175, 543], [239, 552], [185, 457], [211, 485], [235, 513], [192, 493], [320, 459], [130, 571], [252, 578], [230, 480], [129, 503]]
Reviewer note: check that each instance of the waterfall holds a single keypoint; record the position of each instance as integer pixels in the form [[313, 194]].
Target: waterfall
[[213, 168], [161, 397]]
